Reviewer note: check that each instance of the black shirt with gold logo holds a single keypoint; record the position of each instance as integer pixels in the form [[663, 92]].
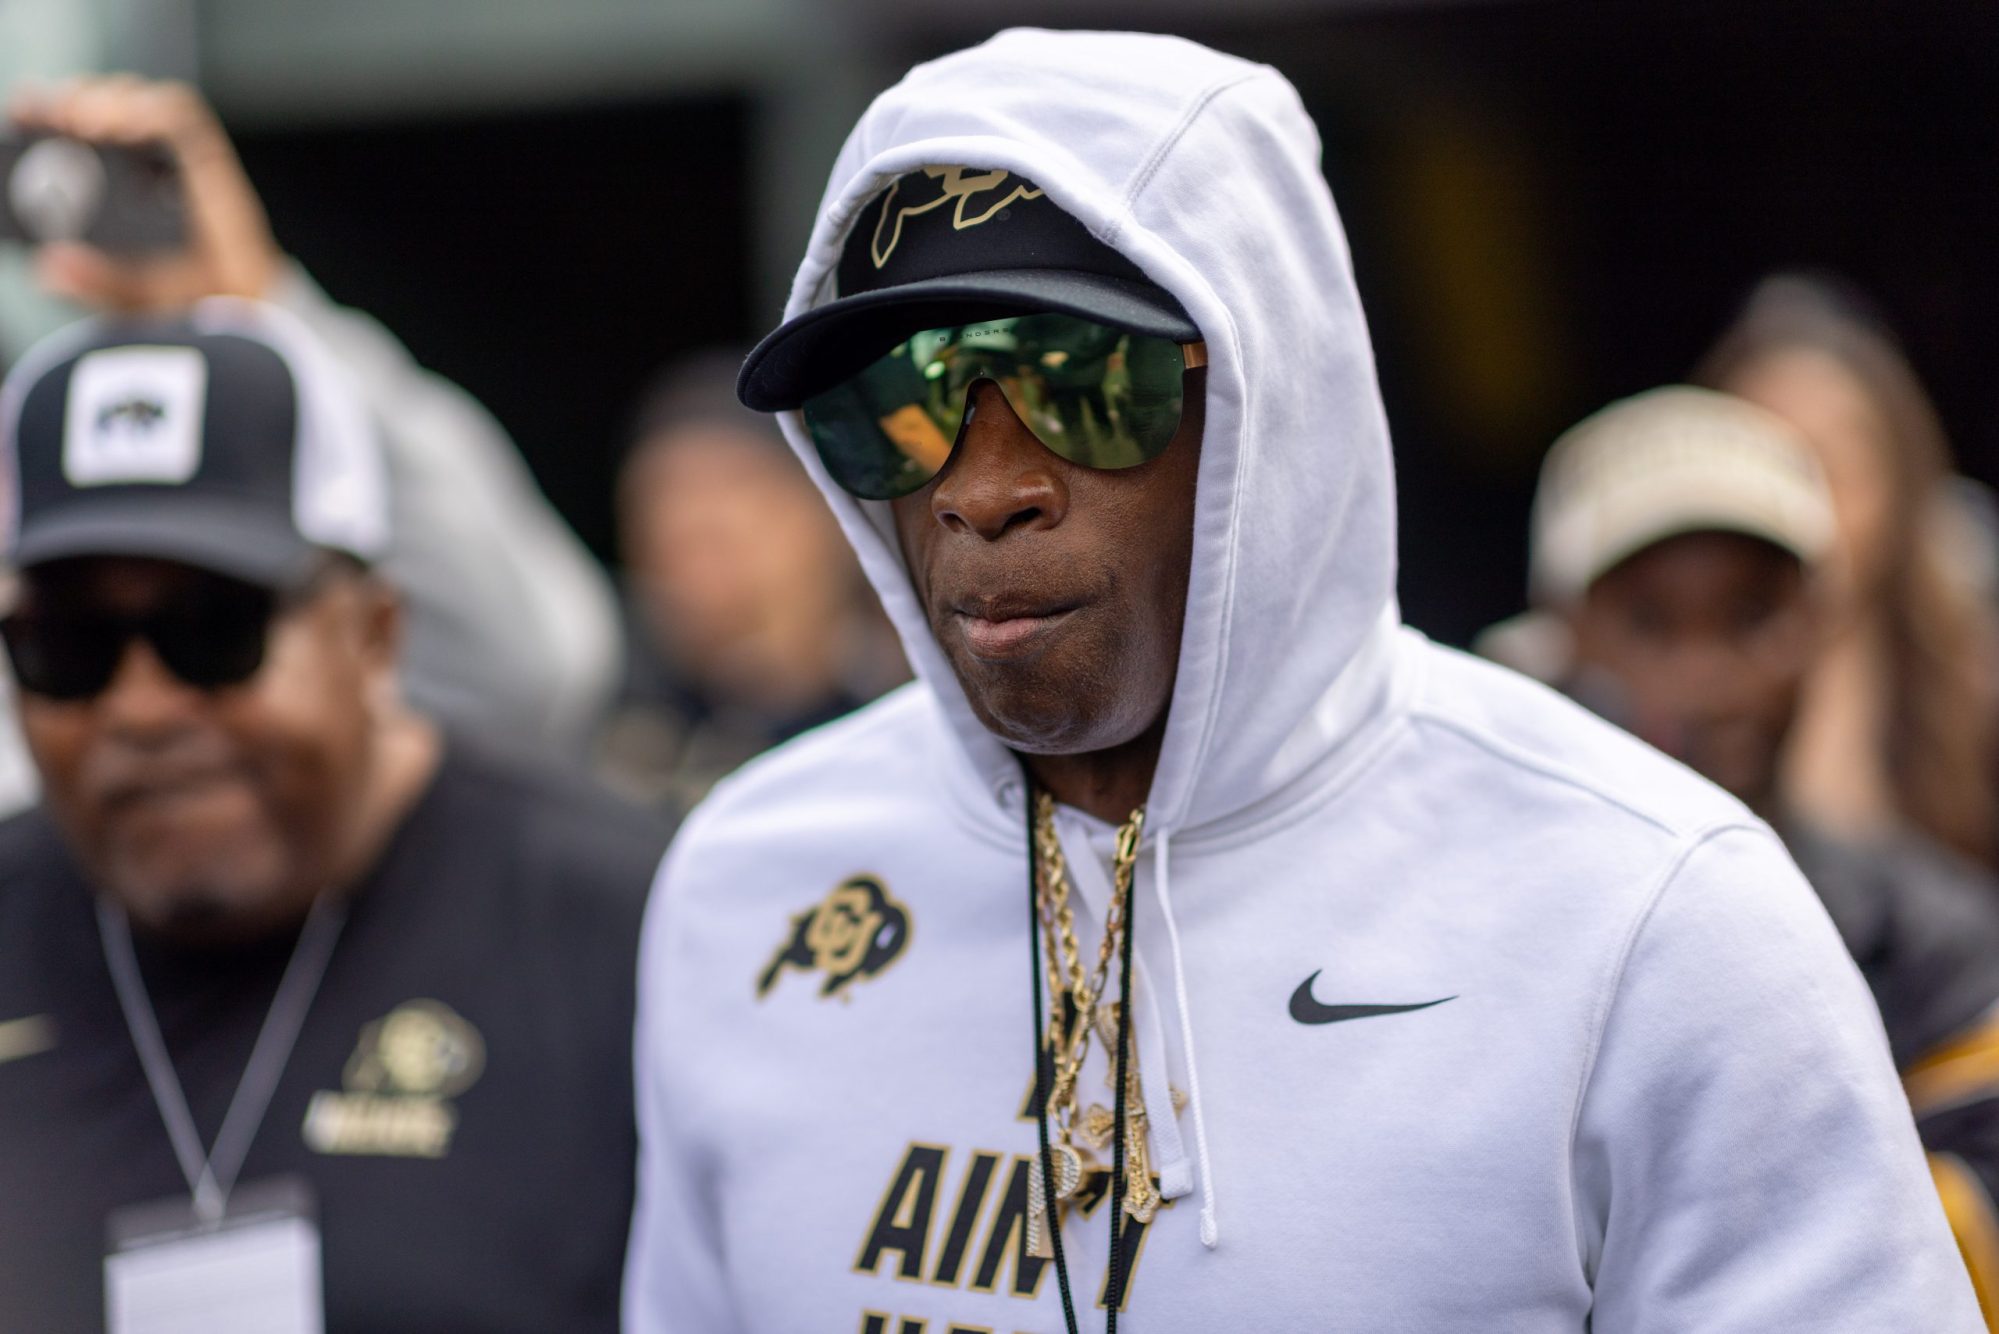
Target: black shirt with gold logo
[[459, 1099]]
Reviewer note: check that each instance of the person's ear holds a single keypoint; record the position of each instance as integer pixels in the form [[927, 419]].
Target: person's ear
[[1818, 609], [378, 627]]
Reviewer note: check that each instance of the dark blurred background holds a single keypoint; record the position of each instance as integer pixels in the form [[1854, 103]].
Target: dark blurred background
[[1551, 202]]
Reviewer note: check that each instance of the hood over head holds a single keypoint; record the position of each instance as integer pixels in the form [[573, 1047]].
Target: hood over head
[[1203, 170]]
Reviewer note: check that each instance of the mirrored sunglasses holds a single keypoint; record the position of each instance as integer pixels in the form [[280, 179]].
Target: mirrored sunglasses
[[1094, 395]]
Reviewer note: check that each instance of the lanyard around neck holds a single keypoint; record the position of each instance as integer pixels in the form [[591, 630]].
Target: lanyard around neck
[[211, 1175]]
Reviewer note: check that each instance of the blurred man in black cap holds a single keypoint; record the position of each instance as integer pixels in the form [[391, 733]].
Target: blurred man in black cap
[[308, 1015], [510, 625]]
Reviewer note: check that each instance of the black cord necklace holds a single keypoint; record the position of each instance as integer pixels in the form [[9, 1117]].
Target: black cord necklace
[[1043, 1068]]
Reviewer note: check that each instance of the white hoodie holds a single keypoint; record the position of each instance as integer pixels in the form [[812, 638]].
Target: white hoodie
[[1655, 1095]]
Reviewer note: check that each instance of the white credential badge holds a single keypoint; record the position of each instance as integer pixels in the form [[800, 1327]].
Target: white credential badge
[[135, 416]]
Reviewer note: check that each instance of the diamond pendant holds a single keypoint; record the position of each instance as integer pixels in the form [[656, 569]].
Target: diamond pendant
[[1040, 1239], [1068, 1165]]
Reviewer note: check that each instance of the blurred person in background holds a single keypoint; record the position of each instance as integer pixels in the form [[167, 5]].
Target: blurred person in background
[[1896, 726], [302, 998], [747, 618], [1686, 540], [512, 625]]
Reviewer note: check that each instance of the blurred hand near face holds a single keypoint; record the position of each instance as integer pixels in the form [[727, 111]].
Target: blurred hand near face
[[230, 250]]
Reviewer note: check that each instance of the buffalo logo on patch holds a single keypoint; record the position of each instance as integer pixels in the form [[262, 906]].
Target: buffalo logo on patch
[[136, 414], [854, 932]]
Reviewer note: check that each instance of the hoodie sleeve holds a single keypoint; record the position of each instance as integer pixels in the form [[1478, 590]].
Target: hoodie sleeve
[[674, 1278], [1745, 1159], [513, 627]]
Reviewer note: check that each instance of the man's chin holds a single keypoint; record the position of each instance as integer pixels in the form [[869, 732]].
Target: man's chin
[[1032, 723], [196, 915], [200, 904]]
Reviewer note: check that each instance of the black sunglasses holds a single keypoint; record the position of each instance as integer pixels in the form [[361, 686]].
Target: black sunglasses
[[210, 633]]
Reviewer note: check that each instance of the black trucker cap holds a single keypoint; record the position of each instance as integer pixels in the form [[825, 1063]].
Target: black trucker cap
[[952, 245], [221, 439]]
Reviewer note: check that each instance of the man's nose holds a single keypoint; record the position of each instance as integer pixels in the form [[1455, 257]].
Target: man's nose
[[144, 697], [1706, 680], [1000, 478]]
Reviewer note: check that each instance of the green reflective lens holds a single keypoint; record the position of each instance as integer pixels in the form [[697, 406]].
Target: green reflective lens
[[1094, 395]]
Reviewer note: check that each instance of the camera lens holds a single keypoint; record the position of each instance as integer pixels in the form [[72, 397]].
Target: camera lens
[[56, 188]]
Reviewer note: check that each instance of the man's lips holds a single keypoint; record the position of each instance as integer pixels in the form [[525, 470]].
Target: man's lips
[[997, 630], [138, 793]]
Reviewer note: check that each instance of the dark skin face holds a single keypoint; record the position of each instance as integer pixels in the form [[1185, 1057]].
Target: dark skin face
[[216, 816], [1702, 641], [1058, 593]]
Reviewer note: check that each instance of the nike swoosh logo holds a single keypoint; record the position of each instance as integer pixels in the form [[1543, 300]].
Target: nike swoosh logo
[[26, 1037], [1307, 1010]]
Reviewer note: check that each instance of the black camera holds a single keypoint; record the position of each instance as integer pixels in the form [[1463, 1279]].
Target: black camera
[[123, 199]]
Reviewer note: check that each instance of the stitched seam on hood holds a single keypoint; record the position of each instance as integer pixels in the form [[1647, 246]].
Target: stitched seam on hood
[[1360, 763], [1154, 160], [1231, 549]]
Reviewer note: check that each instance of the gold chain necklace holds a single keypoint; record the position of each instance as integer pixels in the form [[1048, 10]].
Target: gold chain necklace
[[1078, 1010]]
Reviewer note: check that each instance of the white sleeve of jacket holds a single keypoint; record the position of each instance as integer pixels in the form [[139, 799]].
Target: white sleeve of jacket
[[1745, 1158], [513, 626], [674, 1277]]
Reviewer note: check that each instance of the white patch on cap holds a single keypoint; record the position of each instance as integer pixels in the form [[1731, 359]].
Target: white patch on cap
[[135, 416]]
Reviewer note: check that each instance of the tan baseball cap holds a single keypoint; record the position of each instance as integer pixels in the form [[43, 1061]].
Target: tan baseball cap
[[1665, 462]]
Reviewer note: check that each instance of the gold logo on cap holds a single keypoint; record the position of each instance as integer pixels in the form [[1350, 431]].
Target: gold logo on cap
[[961, 186]]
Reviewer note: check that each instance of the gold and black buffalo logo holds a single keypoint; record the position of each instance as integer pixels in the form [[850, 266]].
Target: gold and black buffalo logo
[[974, 197], [855, 931]]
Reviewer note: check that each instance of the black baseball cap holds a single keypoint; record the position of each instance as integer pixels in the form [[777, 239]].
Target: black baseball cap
[[222, 439], [952, 245]]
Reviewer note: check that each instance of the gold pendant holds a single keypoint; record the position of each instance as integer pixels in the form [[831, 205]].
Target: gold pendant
[[1141, 1198], [1098, 1126], [1107, 1024]]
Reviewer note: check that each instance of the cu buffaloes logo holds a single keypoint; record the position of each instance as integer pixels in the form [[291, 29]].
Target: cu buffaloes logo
[[854, 932], [975, 197]]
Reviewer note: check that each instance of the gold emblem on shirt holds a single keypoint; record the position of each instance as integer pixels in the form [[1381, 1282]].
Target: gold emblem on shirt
[[857, 930], [398, 1085]]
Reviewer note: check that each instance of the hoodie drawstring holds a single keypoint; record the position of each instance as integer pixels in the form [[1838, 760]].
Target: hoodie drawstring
[[1211, 1233]]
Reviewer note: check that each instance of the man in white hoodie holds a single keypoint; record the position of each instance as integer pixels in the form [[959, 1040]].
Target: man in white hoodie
[[1478, 1014]]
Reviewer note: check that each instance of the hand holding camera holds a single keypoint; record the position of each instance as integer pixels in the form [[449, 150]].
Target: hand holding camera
[[132, 195]]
